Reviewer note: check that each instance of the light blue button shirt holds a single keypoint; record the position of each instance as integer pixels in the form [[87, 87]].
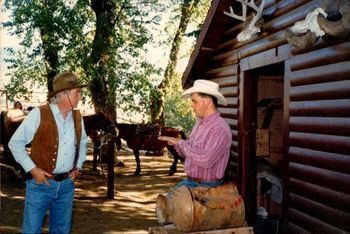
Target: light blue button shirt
[[66, 147]]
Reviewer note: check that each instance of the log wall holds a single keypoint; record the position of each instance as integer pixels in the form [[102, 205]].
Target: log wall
[[318, 85], [316, 115]]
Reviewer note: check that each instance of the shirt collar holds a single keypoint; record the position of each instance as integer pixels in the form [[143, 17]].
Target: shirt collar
[[210, 117], [56, 111]]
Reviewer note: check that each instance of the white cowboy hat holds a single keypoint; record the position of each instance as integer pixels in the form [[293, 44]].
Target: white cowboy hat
[[206, 87]]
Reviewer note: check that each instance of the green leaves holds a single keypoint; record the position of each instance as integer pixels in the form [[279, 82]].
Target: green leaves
[[105, 43]]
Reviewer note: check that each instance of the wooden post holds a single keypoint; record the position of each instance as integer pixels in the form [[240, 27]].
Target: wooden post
[[95, 154], [110, 162]]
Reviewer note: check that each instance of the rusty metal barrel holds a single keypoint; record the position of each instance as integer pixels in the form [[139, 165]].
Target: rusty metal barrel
[[201, 208]]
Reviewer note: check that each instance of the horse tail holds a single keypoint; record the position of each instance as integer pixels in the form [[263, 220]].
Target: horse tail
[[183, 136], [2, 135]]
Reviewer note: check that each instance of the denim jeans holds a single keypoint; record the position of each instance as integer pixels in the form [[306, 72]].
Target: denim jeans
[[58, 198], [191, 183]]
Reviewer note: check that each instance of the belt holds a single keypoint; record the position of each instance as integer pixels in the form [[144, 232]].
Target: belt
[[199, 180], [61, 176]]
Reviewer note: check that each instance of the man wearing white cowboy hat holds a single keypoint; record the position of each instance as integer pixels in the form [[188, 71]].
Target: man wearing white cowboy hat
[[206, 151], [58, 150]]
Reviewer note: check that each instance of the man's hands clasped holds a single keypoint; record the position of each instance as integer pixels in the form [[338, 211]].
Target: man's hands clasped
[[40, 176], [169, 140]]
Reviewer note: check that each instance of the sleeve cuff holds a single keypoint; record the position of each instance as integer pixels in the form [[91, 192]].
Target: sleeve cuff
[[28, 165]]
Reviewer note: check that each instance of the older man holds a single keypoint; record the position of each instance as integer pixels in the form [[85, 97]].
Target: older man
[[58, 150], [206, 151]]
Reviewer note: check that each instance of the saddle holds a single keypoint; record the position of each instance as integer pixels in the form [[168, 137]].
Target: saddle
[[148, 129]]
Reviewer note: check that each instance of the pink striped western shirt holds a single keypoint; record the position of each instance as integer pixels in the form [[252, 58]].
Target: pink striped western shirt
[[207, 149]]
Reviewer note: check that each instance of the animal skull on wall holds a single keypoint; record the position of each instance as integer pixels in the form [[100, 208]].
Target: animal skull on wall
[[252, 28], [317, 23]]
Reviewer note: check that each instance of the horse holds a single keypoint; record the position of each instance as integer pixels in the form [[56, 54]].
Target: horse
[[10, 121], [145, 137], [97, 126], [12, 118]]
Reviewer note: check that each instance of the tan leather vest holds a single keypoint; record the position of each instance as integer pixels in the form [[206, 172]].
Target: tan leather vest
[[44, 147]]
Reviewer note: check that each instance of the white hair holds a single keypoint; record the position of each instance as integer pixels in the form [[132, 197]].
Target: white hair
[[55, 99]]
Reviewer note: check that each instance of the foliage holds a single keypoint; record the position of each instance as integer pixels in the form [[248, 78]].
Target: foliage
[[185, 21], [177, 111], [105, 43], [60, 35]]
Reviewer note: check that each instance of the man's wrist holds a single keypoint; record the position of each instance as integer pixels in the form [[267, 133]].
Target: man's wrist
[[78, 170]]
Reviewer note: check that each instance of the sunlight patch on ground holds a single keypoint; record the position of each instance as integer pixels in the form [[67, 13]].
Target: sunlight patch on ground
[[131, 211]]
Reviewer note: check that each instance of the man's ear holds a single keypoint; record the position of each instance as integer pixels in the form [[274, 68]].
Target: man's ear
[[209, 100]]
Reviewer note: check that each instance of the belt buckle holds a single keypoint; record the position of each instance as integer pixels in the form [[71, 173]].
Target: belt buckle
[[60, 177], [198, 180]]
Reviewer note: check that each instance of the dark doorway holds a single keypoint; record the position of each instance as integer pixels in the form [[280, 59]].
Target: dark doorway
[[263, 121]]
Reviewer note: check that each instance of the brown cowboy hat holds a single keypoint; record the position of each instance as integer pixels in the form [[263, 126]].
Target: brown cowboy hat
[[64, 81]]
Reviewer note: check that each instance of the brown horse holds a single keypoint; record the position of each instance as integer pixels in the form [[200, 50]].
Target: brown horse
[[10, 120], [96, 126], [145, 137]]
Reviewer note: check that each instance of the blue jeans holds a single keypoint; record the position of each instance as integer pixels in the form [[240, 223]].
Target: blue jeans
[[58, 198], [191, 183]]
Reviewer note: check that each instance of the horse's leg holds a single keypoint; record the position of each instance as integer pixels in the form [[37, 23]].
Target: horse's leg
[[95, 154], [137, 158], [118, 143], [173, 167]]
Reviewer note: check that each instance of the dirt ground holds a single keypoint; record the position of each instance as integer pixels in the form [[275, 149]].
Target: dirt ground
[[131, 211]]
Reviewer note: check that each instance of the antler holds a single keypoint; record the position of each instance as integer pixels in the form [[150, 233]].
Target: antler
[[252, 29], [246, 3], [233, 15]]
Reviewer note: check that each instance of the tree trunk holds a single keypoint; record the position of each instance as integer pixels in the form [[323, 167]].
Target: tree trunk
[[50, 56], [106, 17], [157, 104]]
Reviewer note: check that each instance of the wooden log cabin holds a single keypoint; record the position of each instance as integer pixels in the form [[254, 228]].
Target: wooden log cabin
[[289, 111]]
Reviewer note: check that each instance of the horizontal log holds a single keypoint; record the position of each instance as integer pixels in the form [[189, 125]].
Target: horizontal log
[[265, 43], [271, 56], [320, 212], [333, 144], [325, 108], [231, 113], [234, 157], [233, 165], [329, 55], [326, 178], [234, 146], [228, 116], [310, 223], [295, 13], [231, 70], [229, 91], [226, 81], [322, 74], [320, 159], [232, 102], [320, 194], [294, 228], [280, 8], [322, 91], [321, 125], [234, 135]]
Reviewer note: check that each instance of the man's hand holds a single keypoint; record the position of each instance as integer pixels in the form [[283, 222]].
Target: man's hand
[[74, 174], [169, 140], [40, 176]]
